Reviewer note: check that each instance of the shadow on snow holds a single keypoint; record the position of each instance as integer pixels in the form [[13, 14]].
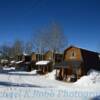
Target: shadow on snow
[[9, 84], [96, 98], [16, 72]]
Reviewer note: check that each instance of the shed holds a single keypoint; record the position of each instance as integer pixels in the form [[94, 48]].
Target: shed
[[44, 66]]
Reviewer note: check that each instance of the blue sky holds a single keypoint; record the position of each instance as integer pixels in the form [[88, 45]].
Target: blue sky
[[80, 20]]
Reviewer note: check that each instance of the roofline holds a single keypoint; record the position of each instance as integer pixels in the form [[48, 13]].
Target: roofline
[[81, 49]]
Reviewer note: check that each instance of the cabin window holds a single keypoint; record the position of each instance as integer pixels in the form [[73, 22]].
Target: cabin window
[[73, 54]]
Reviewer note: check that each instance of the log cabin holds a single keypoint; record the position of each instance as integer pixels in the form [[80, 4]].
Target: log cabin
[[48, 55], [51, 58], [33, 60], [33, 57], [23, 62], [76, 63], [19, 62], [45, 65], [18, 57], [55, 57]]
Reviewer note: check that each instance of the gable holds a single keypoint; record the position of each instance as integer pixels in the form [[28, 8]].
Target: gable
[[72, 53]]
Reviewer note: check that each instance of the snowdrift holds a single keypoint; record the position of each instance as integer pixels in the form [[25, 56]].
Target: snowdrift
[[93, 77]]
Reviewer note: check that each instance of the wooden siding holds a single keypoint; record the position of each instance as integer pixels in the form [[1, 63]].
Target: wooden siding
[[48, 55], [33, 57], [72, 54]]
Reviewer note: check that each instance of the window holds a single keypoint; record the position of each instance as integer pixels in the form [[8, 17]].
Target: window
[[73, 54]]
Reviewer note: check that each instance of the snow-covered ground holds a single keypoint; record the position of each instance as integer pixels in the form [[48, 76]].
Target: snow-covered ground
[[19, 85]]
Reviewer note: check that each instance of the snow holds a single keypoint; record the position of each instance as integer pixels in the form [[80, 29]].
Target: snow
[[12, 62], [19, 85], [25, 54], [93, 77], [18, 62], [51, 75], [8, 68], [44, 62], [23, 72]]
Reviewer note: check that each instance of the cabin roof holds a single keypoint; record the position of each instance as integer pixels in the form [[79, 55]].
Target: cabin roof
[[82, 49]]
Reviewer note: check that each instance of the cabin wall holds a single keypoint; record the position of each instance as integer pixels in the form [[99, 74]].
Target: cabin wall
[[33, 57], [91, 60], [48, 56], [39, 57], [72, 54], [58, 58], [19, 57]]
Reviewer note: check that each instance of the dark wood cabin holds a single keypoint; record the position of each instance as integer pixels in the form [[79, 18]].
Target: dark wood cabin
[[78, 62], [19, 62], [39, 57], [44, 66], [23, 62], [58, 58], [26, 58]]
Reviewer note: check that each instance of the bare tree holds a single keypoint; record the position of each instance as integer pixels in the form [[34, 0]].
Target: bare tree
[[57, 38], [5, 49], [28, 47], [18, 47], [51, 37]]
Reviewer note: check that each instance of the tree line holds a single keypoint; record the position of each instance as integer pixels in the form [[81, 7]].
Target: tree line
[[51, 38]]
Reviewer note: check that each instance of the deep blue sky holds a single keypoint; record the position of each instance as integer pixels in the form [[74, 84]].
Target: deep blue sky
[[79, 18]]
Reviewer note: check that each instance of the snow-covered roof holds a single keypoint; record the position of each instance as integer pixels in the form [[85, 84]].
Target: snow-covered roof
[[13, 61], [43, 62], [19, 62], [25, 54]]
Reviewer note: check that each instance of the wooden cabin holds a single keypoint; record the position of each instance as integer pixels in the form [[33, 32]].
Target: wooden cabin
[[48, 55], [54, 57], [33, 60], [26, 58], [39, 57], [23, 62], [33, 57], [78, 62], [58, 57], [18, 57], [45, 65]]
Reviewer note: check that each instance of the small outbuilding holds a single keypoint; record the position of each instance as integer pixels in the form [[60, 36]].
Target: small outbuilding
[[44, 66]]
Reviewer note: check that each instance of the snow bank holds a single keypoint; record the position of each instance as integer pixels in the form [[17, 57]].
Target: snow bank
[[8, 68], [51, 75], [43, 62], [93, 77], [23, 72]]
